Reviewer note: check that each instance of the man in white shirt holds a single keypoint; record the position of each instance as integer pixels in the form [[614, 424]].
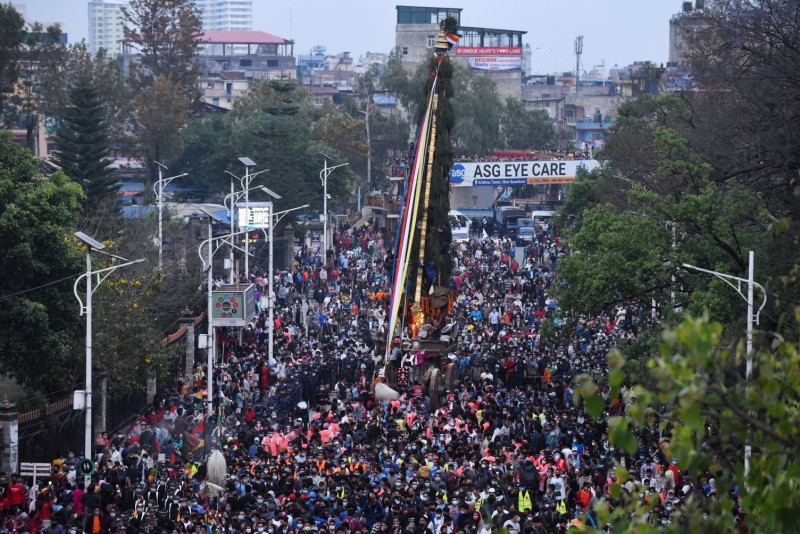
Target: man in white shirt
[[494, 319], [512, 525]]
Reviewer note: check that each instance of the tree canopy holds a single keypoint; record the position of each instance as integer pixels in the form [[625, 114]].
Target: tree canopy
[[483, 122], [701, 176], [281, 130], [82, 149], [167, 35], [39, 260]]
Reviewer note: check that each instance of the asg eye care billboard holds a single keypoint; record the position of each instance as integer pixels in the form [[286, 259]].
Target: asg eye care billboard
[[507, 173]]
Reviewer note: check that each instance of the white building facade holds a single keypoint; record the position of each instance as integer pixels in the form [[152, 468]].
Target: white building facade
[[105, 26], [229, 15]]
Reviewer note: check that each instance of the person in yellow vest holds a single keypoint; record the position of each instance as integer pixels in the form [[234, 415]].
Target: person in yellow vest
[[561, 506], [524, 502]]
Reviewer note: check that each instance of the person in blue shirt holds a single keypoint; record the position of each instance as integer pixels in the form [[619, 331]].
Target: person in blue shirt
[[476, 315]]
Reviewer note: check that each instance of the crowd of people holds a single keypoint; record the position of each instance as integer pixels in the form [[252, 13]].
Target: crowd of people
[[584, 151], [497, 443]]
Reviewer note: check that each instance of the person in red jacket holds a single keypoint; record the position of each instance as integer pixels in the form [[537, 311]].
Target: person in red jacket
[[264, 382], [249, 414], [16, 495]]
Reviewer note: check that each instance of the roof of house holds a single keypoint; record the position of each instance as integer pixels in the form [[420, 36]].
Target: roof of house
[[322, 90], [241, 37]]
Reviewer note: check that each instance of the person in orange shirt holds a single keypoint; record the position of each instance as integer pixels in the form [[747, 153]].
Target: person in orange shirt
[[585, 495]]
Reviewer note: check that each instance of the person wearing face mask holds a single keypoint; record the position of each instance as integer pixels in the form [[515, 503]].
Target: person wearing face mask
[[95, 522], [163, 521], [260, 508], [438, 485]]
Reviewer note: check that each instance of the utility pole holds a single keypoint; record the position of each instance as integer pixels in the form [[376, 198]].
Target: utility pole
[[86, 309], [578, 52], [160, 194], [751, 284], [323, 176]]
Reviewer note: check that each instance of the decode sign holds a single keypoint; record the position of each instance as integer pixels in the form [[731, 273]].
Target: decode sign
[[505, 173], [495, 63]]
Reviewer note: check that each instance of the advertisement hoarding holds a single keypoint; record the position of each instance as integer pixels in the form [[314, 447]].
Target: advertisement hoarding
[[495, 63], [258, 217], [508, 173], [488, 51], [233, 305]]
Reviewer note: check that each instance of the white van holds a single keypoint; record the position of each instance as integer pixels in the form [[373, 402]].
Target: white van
[[459, 226]]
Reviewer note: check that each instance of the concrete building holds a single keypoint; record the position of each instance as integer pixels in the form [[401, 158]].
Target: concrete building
[[684, 28], [231, 60], [232, 15], [370, 60], [105, 26], [416, 31], [492, 52]]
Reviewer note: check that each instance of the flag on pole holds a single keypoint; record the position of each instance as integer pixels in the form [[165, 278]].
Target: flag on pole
[[484, 235], [198, 435], [452, 39]]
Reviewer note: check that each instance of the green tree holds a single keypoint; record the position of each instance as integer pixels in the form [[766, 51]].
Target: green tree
[[103, 74], [82, 149], [581, 195], [708, 409], [39, 260], [276, 124], [11, 35], [207, 152], [479, 109], [136, 312], [619, 257], [402, 84], [167, 34], [525, 129], [43, 57]]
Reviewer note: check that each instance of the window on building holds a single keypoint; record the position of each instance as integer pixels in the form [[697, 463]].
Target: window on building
[[405, 50], [431, 41]]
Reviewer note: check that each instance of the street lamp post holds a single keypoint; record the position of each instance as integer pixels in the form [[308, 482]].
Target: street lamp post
[[727, 278], [210, 299], [161, 183], [274, 218], [370, 102], [245, 183], [323, 175], [86, 309], [247, 162]]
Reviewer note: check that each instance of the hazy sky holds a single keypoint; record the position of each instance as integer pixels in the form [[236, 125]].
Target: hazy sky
[[615, 31]]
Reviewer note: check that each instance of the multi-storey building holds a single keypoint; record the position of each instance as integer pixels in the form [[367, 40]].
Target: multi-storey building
[[235, 15], [105, 26], [684, 28], [494, 53]]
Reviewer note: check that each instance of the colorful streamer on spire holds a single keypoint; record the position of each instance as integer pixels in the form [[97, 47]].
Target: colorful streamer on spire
[[407, 227]]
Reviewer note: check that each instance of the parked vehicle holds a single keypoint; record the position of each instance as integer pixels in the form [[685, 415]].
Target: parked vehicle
[[507, 218], [459, 226]]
